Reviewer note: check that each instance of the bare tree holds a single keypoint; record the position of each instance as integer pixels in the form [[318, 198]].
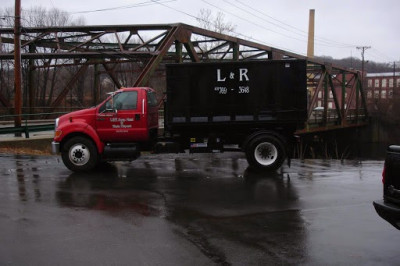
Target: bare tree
[[45, 77], [207, 20], [213, 22]]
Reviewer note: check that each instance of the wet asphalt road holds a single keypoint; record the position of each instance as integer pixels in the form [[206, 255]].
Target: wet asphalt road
[[192, 210]]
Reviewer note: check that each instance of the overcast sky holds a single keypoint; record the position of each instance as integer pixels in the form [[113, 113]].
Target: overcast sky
[[340, 25]]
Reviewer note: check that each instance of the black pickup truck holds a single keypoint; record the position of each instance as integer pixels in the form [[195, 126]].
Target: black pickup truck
[[389, 207]]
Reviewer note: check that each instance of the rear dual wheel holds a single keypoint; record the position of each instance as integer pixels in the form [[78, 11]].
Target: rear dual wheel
[[265, 152]]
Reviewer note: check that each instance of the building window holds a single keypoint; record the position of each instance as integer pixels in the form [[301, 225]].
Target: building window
[[390, 83], [390, 93], [398, 83], [383, 94], [320, 94], [376, 83], [330, 105], [376, 94], [369, 83], [384, 83], [369, 94]]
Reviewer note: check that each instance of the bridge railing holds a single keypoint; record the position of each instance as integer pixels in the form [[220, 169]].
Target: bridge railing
[[28, 124]]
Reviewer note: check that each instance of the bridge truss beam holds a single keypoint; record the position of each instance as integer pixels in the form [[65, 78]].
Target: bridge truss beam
[[336, 97]]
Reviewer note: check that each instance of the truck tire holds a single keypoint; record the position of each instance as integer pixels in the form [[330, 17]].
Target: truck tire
[[79, 154], [265, 152]]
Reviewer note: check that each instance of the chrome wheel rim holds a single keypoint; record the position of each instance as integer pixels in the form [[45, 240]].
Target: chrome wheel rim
[[79, 154], [266, 153]]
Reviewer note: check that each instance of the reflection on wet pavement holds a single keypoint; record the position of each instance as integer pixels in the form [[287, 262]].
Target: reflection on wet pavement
[[195, 209]]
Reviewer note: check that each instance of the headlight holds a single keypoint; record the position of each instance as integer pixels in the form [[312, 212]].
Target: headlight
[[56, 124]]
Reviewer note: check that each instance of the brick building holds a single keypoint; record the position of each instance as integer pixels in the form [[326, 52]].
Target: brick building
[[382, 86]]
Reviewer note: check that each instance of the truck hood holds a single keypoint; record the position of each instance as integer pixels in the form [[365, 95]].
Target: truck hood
[[86, 115]]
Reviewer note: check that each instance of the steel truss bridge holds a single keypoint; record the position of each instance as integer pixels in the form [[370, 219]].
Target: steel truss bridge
[[336, 95]]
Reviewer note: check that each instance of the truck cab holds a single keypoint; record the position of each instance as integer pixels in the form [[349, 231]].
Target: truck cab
[[116, 129]]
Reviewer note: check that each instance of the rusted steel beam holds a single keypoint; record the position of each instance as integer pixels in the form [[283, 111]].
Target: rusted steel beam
[[153, 63], [363, 99], [325, 113], [94, 28], [97, 36], [191, 51], [235, 51], [196, 30], [178, 51], [69, 85], [40, 36], [351, 96], [110, 72], [329, 128], [343, 83], [66, 55], [335, 99], [145, 44], [255, 56], [218, 47], [315, 96]]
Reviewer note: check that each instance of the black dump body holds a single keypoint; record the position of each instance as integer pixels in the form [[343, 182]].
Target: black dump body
[[234, 97]]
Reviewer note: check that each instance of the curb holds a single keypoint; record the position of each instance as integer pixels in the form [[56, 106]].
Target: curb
[[38, 144]]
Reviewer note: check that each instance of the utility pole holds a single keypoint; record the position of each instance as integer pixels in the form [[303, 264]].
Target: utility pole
[[363, 48], [394, 75], [17, 66]]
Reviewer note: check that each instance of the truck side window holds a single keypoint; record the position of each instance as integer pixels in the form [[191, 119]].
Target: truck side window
[[126, 100], [122, 101]]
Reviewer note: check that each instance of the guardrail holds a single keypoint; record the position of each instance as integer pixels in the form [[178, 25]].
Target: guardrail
[[29, 125]]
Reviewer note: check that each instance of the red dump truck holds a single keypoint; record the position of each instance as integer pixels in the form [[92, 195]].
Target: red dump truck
[[253, 106]]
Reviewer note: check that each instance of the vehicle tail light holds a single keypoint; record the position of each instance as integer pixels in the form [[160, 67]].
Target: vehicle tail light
[[383, 174]]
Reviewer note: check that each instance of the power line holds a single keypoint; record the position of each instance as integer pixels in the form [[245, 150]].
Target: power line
[[382, 55], [141, 4], [237, 34], [251, 22], [290, 26], [292, 29], [177, 10], [304, 40]]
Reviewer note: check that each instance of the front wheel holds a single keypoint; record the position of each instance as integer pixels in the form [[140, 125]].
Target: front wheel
[[265, 152], [79, 154]]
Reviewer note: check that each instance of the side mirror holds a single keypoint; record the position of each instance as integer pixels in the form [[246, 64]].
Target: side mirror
[[109, 106]]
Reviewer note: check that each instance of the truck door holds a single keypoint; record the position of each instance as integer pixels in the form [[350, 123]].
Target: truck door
[[119, 118]]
